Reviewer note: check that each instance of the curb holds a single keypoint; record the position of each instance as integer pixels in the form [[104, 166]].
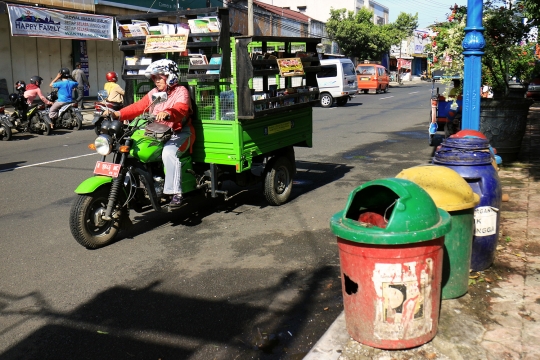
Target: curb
[[331, 344]]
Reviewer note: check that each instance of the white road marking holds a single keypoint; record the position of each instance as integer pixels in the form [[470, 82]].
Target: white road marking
[[46, 162], [387, 97], [414, 92]]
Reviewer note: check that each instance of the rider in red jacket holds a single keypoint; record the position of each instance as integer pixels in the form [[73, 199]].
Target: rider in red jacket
[[175, 112]]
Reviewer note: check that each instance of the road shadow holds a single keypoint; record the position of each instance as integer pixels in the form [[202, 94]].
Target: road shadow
[[127, 322], [310, 176], [11, 166], [16, 136]]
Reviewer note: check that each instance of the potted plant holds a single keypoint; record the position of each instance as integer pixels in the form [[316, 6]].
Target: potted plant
[[507, 65]]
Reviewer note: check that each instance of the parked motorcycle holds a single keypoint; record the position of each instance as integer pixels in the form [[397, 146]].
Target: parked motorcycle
[[100, 107], [69, 115], [32, 122], [5, 130], [132, 179]]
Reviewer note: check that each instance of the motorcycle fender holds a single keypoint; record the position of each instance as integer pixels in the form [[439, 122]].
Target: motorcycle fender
[[8, 122], [46, 118], [91, 184]]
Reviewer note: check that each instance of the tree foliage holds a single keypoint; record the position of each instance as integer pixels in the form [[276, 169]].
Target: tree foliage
[[508, 51], [358, 36], [531, 10]]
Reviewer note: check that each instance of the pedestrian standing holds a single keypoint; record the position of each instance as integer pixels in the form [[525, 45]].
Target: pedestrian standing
[[82, 81]]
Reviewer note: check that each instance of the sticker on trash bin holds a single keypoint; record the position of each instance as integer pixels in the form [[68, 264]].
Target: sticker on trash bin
[[403, 299], [485, 221]]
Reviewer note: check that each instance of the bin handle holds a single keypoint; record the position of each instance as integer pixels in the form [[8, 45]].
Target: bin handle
[[389, 206]]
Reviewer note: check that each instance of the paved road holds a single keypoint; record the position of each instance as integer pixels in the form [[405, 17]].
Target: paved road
[[225, 280]]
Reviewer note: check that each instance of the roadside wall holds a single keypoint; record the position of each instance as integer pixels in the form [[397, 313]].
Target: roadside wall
[[22, 57]]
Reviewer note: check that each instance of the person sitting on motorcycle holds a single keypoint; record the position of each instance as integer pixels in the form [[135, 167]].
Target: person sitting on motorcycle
[[455, 92], [65, 90], [175, 112], [115, 93], [18, 101], [33, 91]]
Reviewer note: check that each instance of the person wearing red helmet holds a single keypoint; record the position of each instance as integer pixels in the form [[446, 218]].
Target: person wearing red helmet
[[115, 93]]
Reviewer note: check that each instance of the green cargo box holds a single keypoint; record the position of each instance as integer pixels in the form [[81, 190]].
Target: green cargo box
[[238, 142]]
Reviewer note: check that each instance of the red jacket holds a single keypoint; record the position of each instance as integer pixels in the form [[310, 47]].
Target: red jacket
[[178, 106]]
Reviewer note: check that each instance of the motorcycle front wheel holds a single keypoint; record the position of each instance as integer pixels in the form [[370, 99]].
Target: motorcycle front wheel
[[5, 132], [86, 222], [46, 129], [97, 126]]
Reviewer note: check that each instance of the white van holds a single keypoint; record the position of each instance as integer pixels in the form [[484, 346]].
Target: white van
[[336, 81]]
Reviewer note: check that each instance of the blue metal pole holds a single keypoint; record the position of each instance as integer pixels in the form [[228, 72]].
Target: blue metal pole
[[473, 50]]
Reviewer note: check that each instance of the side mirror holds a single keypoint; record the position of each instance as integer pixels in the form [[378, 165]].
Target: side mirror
[[159, 97], [102, 94]]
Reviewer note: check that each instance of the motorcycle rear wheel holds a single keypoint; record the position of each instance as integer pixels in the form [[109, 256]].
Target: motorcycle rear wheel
[[86, 224], [5, 132], [278, 180], [78, 121]]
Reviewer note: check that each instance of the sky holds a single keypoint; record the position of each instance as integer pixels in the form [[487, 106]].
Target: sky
[[429, 11]]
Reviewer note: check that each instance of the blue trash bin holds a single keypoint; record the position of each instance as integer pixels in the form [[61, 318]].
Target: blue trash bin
[[476, 168]]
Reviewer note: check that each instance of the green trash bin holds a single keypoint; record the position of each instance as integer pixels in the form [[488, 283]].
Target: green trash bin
[[390, 239], [452, 193]]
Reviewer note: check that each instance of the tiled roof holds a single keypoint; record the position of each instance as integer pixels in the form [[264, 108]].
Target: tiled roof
[[290, 14]]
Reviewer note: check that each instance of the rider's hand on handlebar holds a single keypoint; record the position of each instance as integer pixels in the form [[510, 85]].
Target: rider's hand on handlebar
[[163, 115], [113, 114]]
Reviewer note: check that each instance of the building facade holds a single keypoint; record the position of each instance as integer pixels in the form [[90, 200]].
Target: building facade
[[321, 10]]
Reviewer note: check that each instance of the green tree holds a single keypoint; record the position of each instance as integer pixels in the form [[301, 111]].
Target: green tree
[[531, 10], [403, 27], [358, 36]]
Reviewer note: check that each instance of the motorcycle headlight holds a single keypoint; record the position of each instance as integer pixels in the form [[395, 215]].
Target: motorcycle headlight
[[103, 145]]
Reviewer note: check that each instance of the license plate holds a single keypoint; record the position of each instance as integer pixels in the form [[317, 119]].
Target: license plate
[[364, 79], [107, 169]]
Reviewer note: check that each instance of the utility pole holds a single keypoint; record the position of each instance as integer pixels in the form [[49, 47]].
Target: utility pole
[[250, 17], [473, 50]]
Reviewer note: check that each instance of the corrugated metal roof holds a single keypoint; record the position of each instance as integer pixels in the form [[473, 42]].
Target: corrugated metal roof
[[287, 13]]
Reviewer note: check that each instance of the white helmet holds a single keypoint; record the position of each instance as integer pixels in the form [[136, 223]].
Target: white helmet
[[163, 67]]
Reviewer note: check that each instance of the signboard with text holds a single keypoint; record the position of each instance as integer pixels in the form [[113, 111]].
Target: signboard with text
[[50, 23], [165, 43], [290, 67]]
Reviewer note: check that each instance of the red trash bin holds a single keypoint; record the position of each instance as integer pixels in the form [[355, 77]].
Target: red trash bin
[[391, 270]]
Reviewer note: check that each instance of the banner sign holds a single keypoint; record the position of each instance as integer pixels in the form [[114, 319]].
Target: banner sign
[[403, 64], [422, 41], [290, 67], [165, 43], [50, 23]]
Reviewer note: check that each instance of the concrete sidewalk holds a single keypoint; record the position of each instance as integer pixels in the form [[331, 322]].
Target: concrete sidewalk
[[499, 317]]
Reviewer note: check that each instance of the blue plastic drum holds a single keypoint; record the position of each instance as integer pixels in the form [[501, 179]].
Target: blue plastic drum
[[476, 168]]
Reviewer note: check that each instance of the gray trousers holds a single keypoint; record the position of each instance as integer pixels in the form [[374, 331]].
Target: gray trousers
[[53, 111], [173, 149], [80, 95]]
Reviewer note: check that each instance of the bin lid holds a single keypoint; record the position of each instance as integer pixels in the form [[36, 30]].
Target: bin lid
[[446, 187], [467, 143], [468, 132], [462, 157], [409, 212]]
